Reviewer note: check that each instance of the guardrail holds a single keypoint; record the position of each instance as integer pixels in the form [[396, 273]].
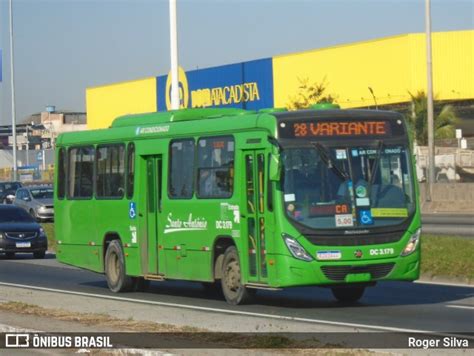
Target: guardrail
[[448, 224]]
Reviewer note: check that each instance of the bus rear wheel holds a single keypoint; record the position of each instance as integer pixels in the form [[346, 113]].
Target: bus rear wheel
[[348, 294], [117, 280], [234, 291]]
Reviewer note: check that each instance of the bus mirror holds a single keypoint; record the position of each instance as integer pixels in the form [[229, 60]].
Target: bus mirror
[[275, 167]]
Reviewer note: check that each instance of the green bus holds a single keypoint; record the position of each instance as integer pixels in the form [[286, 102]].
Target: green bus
[[241, 200]]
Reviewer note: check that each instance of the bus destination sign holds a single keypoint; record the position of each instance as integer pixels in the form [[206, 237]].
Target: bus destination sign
[[337, 129]]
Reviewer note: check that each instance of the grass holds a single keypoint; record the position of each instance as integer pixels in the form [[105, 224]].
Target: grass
[[49, 229], [448, 256]]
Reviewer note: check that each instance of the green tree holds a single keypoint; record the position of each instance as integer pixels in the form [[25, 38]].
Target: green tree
[[444, 123], [309, 94]]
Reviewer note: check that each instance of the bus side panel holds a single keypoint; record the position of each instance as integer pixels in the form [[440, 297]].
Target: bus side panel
[[187, 253], [75, 233], [81, 256]]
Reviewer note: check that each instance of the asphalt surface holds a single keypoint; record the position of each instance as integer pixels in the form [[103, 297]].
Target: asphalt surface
[[413, 306]]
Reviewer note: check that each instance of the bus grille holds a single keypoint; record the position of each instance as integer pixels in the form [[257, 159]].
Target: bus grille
[[339, 273], [355, 240]]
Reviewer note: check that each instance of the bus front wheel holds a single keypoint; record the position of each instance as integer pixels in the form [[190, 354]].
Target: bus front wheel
[[234, 291], [117, 280], [348, 294]]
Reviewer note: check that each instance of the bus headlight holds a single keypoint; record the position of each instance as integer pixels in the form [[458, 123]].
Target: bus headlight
[[296, 249], [412, 243]]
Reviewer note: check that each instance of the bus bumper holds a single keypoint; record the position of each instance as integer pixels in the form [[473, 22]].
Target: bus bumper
[[291, 272]]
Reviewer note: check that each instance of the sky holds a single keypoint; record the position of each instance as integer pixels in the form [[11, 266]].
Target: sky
[[62, 47]]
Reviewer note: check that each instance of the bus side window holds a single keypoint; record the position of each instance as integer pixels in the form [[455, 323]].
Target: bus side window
[[81, 172], [215, 173], [110, 171], [61, 174], [181, 168], [130, 169]]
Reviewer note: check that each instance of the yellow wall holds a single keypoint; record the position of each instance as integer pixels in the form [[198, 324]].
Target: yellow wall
[[392, 67], [106, 102]]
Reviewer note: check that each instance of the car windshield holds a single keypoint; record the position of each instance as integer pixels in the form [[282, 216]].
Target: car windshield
[[15, 215], [42, 193], [9, 186], [348, 187]]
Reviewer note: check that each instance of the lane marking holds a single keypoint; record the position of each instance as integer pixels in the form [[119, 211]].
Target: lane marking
[[444, 284], [56, 264], [235, 312], [460, 306]]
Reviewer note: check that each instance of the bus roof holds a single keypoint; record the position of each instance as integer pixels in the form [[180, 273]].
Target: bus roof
[[341, 114], [176, 116], [201, 121]]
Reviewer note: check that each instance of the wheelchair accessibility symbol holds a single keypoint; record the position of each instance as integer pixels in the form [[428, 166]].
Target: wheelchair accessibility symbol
[[132, 210], [366, 217]]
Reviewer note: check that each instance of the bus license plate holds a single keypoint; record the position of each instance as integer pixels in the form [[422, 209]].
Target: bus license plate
[[23, 244]]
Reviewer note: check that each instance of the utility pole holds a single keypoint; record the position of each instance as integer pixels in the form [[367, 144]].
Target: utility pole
[[12, 81], [174, 57], [429, 98]]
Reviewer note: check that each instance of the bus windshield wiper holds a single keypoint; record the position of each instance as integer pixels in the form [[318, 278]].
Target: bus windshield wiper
[[326, 158], [376, 164]]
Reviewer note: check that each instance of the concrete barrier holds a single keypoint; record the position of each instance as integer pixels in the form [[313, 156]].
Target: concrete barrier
[[455, 198]]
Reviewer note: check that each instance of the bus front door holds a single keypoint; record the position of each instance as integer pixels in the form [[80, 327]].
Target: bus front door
[[153, 197], [254, 216]]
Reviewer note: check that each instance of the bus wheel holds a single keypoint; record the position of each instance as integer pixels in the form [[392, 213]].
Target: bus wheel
[[117, 280], [234, 292], [348, 294]]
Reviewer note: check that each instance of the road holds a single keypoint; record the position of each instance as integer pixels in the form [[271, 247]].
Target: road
[[448, 224], [393, 306]]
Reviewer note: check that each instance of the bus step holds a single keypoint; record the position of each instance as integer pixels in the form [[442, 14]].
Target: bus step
[[154, 277], [260, 286]]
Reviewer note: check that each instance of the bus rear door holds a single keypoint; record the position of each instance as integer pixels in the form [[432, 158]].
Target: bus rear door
[[154, 186]]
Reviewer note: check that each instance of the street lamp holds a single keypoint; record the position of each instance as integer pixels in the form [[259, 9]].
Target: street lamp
[[174, 57], [429, 98], [12, 81]]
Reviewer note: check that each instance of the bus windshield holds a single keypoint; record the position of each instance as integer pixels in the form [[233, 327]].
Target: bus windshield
[[361, 186]]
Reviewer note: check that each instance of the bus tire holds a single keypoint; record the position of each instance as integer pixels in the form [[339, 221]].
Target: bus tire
[[117, 280], [348, 294], [234, 292]]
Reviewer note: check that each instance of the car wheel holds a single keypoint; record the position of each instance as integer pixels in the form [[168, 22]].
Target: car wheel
[[117, 280], [39, 254], [234, 291], [348, 294], [10, 254]]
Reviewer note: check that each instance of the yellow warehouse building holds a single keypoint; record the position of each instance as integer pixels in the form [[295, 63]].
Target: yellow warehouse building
[[371, 73]]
